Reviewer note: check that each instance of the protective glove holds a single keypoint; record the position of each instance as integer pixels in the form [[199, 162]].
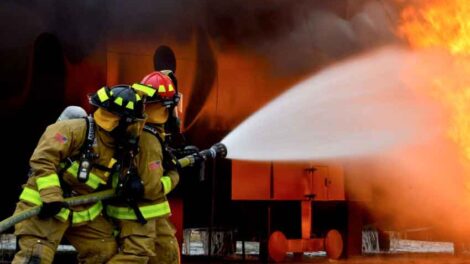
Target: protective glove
[[51, 209], [133, 187]]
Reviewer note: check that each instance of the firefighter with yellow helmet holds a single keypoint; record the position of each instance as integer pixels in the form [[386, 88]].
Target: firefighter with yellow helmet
[[75, 157]]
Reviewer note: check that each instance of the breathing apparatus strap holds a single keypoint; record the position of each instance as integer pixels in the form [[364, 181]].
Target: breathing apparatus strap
[[90, 136], [169, 160], [86, 153]]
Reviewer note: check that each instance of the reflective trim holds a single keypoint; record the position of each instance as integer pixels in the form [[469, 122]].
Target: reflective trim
[[130, 105], [148, 211], [110, 166], [137, 97], [87, 215], [171, 88], [93, 180], [118, 101], [51, 180], [31, 196], [166, 181], [161, 88], [144, 88], [63, 215], [102, 95]]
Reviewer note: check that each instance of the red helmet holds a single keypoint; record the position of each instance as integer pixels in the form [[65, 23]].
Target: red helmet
[[165, 90]]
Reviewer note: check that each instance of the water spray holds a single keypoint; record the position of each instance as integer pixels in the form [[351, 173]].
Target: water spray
[[217, 150]]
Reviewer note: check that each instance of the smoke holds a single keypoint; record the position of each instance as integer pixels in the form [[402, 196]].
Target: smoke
[[295, 37], [317, 35]]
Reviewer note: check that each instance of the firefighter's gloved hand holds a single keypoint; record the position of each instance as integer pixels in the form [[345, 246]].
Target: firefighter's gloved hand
[[198, 158], [188, 150], [133, 187], [50, 209]]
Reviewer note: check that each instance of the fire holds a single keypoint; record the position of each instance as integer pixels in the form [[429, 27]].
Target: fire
[[439, 23], [445, 25]]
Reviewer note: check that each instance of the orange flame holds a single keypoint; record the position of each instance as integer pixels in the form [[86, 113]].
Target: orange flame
[[439, 23], [445, 24]]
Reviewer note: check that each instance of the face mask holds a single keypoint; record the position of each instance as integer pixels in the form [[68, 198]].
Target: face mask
[[106, 120], [127, 134], [157, 113]]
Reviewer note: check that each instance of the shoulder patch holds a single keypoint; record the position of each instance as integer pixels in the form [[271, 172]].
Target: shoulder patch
[[153, 165], [60, 138]]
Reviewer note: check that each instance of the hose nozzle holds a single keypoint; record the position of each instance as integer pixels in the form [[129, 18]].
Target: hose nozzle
[[219, 150]]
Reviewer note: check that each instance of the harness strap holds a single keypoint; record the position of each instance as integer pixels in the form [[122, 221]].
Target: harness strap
[[169, 160], [86, 155]]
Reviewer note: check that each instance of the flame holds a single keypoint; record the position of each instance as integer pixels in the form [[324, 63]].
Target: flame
[[439, 23], [445, 25]]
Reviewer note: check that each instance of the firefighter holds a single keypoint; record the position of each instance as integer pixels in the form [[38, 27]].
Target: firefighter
[[161, 112], [151, 239], [76, 157]]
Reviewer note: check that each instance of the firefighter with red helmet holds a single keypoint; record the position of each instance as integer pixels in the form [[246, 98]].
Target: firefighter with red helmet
[[140, 219], [159, 108], [75, 157], [161, 111]]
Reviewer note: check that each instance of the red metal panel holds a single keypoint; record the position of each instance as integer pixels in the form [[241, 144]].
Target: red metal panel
[[335, 183], [318, 186], [250, 180], [291, 181]]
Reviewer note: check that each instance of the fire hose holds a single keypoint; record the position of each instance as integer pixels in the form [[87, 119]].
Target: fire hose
[[217, 150]]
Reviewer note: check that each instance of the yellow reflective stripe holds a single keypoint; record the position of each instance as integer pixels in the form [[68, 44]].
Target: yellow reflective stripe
[[87, 215], [110, 166], [93, 180], [51, 180], [63, 214], [148, 211], [144, 88], [161, 88], [33, 196], [137, 97], [30, 195], [102, 94], [130, 105], [118, 101], [166, 181], [171, 89]]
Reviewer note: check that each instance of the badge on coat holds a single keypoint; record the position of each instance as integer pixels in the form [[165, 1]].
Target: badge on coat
[[60, 138], [153, 165]]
